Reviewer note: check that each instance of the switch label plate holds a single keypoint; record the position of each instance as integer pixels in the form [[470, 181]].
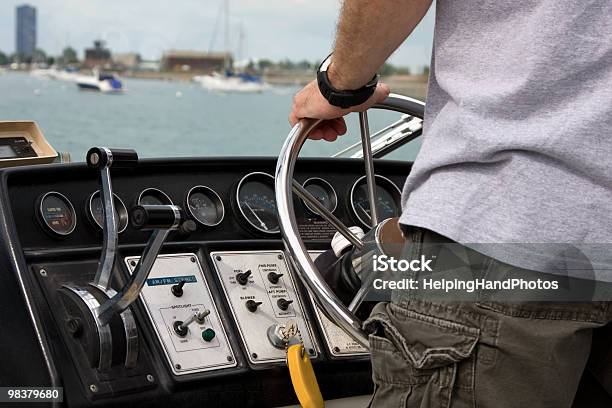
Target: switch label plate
[[253, 326], [338, 343], [188, 354]]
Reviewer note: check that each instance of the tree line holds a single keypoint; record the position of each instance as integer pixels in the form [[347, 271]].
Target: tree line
[[67, 57], [267, 65]]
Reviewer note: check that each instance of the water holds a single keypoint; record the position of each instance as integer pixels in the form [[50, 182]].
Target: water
[[160, 119]]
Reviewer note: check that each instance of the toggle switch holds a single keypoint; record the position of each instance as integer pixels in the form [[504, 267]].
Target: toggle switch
[[177, 290], [252, 305], [243, 277], [181, 328], [283, 304], [201, 317], [273, 277]]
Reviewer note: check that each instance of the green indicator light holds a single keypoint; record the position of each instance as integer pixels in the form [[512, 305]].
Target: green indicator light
[[208, 335]]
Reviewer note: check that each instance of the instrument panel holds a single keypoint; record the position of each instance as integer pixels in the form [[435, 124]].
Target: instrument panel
[[217, 294]]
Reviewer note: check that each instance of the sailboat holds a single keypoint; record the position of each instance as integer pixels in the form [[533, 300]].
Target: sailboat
[[229, 80]]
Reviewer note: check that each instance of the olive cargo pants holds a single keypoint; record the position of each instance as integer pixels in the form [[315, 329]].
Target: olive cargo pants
[[484, 353]]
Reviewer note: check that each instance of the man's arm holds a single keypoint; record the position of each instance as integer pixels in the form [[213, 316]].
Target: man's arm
[[368, 33]]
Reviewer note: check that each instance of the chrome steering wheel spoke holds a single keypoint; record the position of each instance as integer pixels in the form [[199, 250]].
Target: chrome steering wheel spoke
[[285, 186]]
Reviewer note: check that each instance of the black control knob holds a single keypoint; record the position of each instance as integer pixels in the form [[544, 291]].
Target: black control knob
[[243, 277], [187, 227], [177, 290], [252, 305], [273, 277], [283, 304]]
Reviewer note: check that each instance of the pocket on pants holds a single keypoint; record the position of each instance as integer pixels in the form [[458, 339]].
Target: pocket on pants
[[417, 359]]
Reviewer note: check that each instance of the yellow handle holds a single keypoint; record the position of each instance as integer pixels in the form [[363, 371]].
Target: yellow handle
[[303, 378]]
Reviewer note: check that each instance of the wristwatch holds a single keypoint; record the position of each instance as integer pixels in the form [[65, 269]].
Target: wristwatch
[[343, 99]]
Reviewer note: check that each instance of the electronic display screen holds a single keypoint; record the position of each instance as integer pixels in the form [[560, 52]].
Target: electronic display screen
[[7, 152]]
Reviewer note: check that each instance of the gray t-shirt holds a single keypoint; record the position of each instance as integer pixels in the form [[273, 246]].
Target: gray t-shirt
[[517, 143]]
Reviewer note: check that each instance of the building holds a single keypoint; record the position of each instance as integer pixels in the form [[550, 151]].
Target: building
[[25, 36], [128, 60], [194, 61], [98, 56]]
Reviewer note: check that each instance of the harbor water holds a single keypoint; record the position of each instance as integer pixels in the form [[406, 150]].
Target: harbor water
[[163, 118]]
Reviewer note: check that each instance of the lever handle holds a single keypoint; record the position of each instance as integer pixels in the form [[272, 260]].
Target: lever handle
[[99, 157], [155, 216], [129, 293]]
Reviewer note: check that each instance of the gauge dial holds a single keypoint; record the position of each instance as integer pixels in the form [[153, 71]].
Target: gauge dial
[[56, 213], [205, 206], [323, 192], [96, 211], [257, 203], [153, 196], [388, 197]]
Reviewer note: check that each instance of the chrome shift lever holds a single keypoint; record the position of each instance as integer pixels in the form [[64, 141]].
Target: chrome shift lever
[[103, 158], [164, 218]]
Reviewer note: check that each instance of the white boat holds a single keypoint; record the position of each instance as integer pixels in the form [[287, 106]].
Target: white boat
[[100, 82], [64, 74], [242, 83]]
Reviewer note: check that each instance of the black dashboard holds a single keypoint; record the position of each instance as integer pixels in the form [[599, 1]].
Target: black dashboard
[[51, 237]]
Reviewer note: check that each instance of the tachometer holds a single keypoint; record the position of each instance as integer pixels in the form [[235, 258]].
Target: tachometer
[[388, 197], [96, 211], [153, 196], [205, 206], [56, 213], [256, 201], [323, 192]]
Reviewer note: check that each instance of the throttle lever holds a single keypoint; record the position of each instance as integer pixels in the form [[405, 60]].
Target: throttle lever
[[162, 219], [103, 158]]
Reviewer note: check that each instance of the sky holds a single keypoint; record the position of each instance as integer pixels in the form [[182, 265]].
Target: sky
[[273, 29]]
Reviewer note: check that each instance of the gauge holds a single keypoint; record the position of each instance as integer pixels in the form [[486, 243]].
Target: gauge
[[205, 206], [96, 211], [388, 197], [56, 213], [323, 192], [257, 203], [153, 196]]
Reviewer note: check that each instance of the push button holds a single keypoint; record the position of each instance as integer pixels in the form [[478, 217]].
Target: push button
[[208, 335]]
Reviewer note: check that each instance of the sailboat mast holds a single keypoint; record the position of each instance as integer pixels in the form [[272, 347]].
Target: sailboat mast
[[226, 35]]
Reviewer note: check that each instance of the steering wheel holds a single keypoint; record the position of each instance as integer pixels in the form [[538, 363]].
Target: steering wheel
[[285, 186]]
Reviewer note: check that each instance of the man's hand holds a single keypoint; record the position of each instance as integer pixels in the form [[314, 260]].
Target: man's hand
[[368, 32], [309, 103]]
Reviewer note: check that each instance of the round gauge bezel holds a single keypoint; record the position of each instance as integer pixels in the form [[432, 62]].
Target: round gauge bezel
[[379, 178], [43, 221], [215, 198], [166, 200], [330, 189], [121, 210], [237, 198]]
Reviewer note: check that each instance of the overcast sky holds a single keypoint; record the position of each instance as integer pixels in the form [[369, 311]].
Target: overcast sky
[[275, 29]]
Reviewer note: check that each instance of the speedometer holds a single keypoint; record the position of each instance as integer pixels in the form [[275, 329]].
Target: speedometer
[[257, 203], [388, 197]]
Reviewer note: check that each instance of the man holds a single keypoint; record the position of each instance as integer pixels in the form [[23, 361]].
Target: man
[[517, 146]]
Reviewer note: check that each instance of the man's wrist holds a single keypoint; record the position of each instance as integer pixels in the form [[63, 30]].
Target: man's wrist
[[340, 83]]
